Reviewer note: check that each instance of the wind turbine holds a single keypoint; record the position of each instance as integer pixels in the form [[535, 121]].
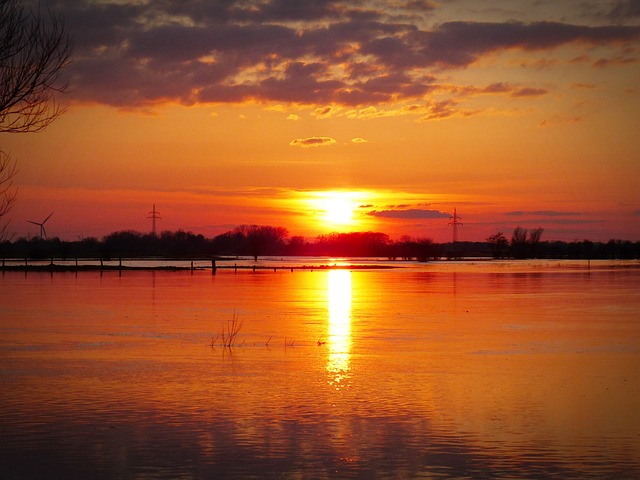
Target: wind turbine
[[43, 233]]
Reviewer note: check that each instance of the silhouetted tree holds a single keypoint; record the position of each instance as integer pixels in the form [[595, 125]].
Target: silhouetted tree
[[296, 246], [424, 249], [622, 249], [499, 245], [402, 248], [180, 244], [519, 235], [534, 241], [523, 245], [353, 244], [587, 249], [420, 249], [34, 50], [87, 247], [261, 240], [519, 242], [228, 243], [122, 244]]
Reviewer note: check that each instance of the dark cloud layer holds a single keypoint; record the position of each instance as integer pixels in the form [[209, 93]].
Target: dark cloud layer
[[624, 9], [311, 52], [409, 213]]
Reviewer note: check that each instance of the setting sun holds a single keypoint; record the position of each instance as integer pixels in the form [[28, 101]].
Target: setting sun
[[337, 209]]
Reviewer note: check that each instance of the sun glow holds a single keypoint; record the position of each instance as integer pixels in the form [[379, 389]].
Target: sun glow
[[337, 208]]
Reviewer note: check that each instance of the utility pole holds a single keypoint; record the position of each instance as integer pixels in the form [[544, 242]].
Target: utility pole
[[455, 222], [153, 216]]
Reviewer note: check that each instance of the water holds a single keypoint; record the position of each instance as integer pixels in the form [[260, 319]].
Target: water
[[441, 370]]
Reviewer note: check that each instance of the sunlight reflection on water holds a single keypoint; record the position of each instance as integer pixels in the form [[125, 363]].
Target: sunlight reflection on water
[[339, 331]]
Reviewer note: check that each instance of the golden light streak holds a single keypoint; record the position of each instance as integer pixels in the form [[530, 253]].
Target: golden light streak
[[339, 328], [336, 209]]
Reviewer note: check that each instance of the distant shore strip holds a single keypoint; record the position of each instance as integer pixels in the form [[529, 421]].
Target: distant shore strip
[[29, 265]]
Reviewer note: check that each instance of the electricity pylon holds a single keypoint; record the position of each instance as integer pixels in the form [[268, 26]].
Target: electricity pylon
[[455, 222], [153, 216]]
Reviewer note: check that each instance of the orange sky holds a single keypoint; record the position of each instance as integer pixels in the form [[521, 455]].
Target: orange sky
[[250, 113]]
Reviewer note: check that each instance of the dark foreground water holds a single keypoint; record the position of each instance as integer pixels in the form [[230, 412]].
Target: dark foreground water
[[454, 370]]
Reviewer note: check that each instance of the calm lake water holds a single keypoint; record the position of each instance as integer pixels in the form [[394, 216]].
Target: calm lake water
[[439, 370]]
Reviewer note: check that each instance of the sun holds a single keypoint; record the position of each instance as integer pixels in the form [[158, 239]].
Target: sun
[[336, 209]]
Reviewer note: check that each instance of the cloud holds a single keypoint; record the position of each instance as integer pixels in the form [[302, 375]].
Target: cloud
[[293, 117], [325, 52], [463, 43], [324, 112], [619, 60], [529, 92], [625, 9], [446, 109], [358, 140], [411, 213], [560, 119], [496, 89], [500, 87], [583, 85], [312, 142]]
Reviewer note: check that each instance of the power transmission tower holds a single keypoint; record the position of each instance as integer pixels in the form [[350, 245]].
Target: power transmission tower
[[153, 216], [455, 222]]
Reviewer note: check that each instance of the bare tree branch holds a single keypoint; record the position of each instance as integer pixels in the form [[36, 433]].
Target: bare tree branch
[[34, 49]]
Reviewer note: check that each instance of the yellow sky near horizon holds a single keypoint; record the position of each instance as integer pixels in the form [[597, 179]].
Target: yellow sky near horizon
[[201, 180]]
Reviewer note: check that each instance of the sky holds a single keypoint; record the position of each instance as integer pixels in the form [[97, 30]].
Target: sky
[[328, 116]]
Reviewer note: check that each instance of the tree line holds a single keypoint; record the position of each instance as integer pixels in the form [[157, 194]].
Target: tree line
[[256, 241]]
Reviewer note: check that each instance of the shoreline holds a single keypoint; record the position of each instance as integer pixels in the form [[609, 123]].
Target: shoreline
[[280, 264], [98, 268]]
